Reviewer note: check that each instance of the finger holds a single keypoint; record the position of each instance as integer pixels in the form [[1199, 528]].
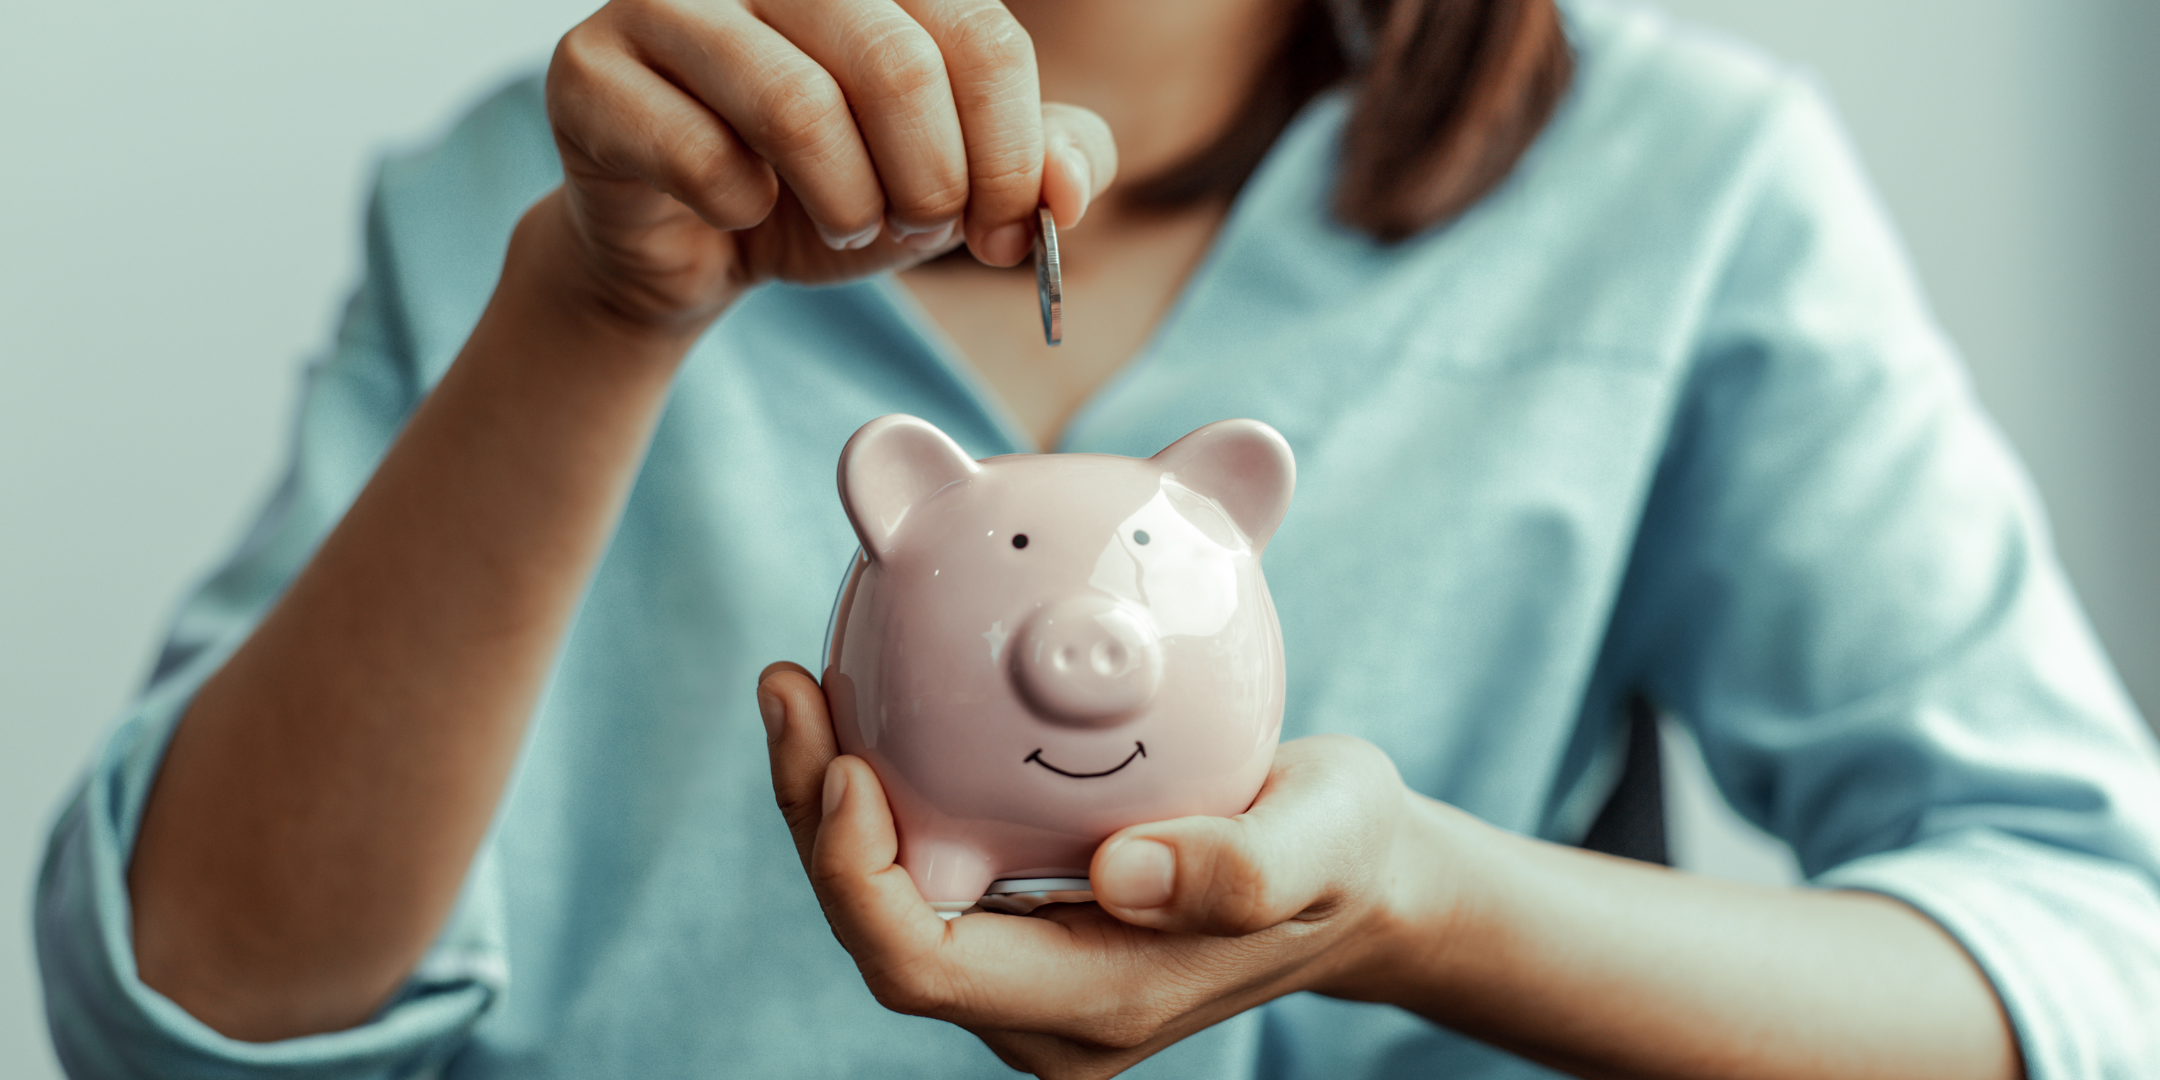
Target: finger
[[620, 126], [799, 739], [894, 78], [1080, 161], [869, 899], [1320, 823], [1084, 975], [990, 63], [975, 970], [784, 106]]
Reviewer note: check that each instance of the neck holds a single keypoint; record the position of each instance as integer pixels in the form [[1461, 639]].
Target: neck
[[1167, 75]]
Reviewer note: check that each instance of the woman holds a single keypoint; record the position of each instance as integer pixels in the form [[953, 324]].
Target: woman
[[1605, 378]]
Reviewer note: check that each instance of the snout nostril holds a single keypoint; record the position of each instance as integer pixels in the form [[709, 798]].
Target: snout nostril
[[1108, 658], [1087, 660]]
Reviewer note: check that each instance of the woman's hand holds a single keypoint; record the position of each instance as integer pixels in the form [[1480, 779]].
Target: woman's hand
[[708, 145], [1343, 881], [1212, 916]]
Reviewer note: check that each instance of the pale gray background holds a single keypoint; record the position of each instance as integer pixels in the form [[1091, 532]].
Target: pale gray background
[[178, 221]]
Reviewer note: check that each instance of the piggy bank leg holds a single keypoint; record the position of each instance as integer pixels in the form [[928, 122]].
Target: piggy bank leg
[[950, 874]]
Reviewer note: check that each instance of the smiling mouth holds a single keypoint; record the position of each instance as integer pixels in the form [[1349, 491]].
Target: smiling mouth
[[1139, 750]]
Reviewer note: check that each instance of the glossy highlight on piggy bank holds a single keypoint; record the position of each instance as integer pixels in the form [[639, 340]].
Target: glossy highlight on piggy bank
[[1037, 650]]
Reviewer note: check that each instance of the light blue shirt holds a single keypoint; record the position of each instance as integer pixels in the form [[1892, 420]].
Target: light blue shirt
[[1666, 412]]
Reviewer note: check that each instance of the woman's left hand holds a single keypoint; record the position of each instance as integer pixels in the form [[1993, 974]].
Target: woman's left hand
[[1196, 919]]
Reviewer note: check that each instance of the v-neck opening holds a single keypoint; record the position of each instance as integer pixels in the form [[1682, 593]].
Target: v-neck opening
[[993, 405], [940, 345]]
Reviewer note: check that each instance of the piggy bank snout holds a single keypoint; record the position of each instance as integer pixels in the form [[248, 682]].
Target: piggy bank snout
[[1088, 662]]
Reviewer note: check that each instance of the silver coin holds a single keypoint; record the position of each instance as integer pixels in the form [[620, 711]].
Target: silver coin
[[1049, 285]]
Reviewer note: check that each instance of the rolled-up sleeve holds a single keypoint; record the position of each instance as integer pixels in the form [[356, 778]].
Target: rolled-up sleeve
[[1845, 585], [105, 1022]]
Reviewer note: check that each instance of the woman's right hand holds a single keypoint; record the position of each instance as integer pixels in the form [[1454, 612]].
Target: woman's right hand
[[317, 809], [709, 145]]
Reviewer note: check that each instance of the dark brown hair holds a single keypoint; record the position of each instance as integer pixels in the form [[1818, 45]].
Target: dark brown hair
[[1448, 95]]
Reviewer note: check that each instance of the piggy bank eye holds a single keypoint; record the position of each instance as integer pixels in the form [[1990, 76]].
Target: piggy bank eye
[[1139, 536], [1019, 540]]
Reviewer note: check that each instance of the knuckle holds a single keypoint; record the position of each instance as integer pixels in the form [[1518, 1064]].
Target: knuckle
[[798, 112], [576, 61], [1360, 749], [1372, 763], [715, 185], [1242, 897], [901, 63], [824, 877], [800, 816], [988, 44], [1006, 174], [909, 990], [897, 995], [651, 14], [699, 171], [940, 200], [750, 204]]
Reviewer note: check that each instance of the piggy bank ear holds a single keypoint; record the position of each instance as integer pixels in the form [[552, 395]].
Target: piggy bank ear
[[891, 466], [1243, 464]]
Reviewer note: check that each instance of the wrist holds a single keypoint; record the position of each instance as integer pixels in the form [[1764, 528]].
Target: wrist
[[1434, 905], [554, 284]]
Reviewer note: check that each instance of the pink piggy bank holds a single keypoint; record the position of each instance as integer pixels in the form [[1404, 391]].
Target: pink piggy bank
[[1035, 651]]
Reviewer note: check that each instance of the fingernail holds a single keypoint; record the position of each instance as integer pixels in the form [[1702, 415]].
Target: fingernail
[[835, 787], [1007, 244], [853, 242], [933, 240], [769, 707], [1137, 874]]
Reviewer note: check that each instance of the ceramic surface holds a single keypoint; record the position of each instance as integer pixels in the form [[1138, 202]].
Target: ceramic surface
[[1034, 651]]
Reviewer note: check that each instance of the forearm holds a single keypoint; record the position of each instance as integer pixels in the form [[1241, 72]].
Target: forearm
[[1605, 967], [321, 800]]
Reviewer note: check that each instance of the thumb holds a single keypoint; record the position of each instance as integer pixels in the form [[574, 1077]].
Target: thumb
[[1320, 826], [1079, 161]]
